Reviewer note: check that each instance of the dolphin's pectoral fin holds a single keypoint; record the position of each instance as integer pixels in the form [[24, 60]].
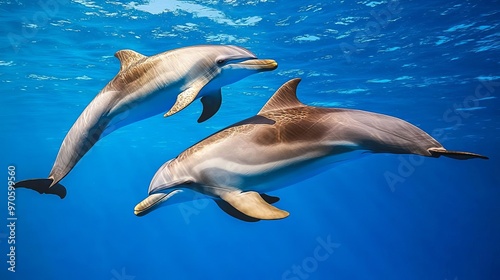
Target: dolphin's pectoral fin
[[183, 100], [152, 202], [231, 211], [253, 205], [43, 186], [211, 104], [436, 152]]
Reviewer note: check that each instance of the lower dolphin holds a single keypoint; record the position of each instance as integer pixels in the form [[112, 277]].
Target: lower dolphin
[[239, 164], [146, 86]]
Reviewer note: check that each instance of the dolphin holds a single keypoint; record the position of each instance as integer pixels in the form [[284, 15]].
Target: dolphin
[[150, 85], [238, 165]]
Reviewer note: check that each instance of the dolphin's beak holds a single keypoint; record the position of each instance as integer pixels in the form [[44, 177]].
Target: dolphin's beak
[[259, 64]]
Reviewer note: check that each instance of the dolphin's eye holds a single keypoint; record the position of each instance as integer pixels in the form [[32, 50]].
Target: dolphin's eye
[[221, 61]]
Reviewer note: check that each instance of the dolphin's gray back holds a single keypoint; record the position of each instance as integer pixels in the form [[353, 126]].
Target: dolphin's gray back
[[344, 128], [304, 132], [378, 133]]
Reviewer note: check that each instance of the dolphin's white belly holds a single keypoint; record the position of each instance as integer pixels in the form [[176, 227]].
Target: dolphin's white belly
[[286, 176], [135, 110]]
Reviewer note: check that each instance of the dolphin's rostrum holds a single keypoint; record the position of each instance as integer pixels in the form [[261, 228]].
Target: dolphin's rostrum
[[147, 86], [284, 143]]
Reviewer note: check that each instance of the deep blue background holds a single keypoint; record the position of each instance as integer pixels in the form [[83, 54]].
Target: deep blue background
[[432, 63]]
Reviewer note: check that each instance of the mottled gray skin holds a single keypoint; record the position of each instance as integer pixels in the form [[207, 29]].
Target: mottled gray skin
[[287, 142], [147, 86]]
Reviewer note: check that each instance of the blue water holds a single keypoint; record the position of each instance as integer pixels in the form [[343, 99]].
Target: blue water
[[432, 63]]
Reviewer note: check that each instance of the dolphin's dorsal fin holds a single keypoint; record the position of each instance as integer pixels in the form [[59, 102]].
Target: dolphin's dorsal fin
[[284, 97], [127, 58]]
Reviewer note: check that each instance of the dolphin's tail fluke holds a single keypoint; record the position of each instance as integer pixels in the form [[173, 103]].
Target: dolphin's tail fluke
[[42, 186], [437, 152]]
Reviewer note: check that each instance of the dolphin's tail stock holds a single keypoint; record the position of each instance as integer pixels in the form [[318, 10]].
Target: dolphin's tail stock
[[42, 186], [437, 152]]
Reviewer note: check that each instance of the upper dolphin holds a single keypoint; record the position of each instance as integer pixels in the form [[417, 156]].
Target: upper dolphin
[[284, 143], [146, 86]]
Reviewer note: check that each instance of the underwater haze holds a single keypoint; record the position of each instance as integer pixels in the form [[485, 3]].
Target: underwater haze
[[435, 64]]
